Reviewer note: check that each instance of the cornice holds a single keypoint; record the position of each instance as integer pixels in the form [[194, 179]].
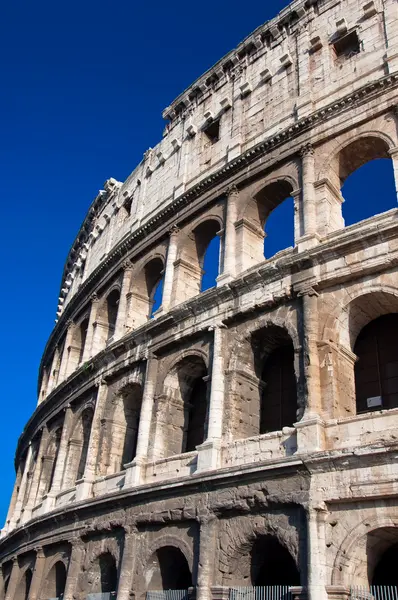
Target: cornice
[[223, 175]]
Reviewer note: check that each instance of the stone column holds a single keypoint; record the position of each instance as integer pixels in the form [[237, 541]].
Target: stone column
[[37, 577], [74, 569], [207, 556], [1, 583], [61, 458], [85, 486], [14, 579], [134, 469], [394, 157], [87, 354], [209, 451], [229, 266], [65, 354], [310, 429], [22, 489], [316, 553], [308, 197], [122, 316], [34, 487], [127, 563], [169, 271]]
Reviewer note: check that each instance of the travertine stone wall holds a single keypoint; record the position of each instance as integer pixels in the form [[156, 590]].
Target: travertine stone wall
[[172, 449]]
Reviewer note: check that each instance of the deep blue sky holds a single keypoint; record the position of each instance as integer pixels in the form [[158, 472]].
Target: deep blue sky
[[83, 88]]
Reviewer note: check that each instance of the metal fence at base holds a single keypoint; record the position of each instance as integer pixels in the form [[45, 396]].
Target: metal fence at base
[[167, 595], [268, 592], [102, 596], [374, 592]]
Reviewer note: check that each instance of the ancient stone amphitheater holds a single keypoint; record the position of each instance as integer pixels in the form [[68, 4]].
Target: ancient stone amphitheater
[[239, 442]]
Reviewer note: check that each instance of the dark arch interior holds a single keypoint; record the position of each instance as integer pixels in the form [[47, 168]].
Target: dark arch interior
[[60, 578], [272, 563], [279, 398], [376, 369], [174, 569], [108, 573], [83, 336], [196, 415], [87, 417], [112, 303], [132, 397], [386, 572]]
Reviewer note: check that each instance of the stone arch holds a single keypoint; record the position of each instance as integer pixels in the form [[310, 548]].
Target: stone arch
[[76, 350], [188, 268], [143, 287], [48, 461], [264, 379], [78, 446], [119, 427], [182, 407], [102, 573], [260, 200], [23, 586], [238, 560], [358, 554], [55, 579], [107, 315], [153, 567]]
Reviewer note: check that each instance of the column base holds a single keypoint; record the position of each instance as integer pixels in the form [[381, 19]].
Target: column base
[[307, 241], [338, 592], [219, 592], [134, 472], [310, 434], [209, 455], [224, 278]]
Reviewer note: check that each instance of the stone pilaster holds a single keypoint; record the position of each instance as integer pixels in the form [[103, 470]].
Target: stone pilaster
[[207, 556], [316, 589], [134, 469], [229, 245], [13, 581], [122, 313], [169, 271], [61, 458], [127, 564], [63, 369], [84, 486], [34, 487], [394, 157], [37, 576], [308, 238], [22, 489], [74, 569], [209, 451], [88, 348]]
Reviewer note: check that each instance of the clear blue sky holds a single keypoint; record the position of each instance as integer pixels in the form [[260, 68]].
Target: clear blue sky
[[83, 88]]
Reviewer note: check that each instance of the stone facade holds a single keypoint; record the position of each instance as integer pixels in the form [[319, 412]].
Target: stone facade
[[245, 435]]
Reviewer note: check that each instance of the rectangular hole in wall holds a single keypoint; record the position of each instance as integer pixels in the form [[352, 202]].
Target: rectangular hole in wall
[[212, 131], [348, 45]]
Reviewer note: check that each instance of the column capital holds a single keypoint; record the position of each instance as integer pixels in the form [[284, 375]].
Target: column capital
[[127, 265], [174, 230], [306, 150], [39, 551], [306, 290], [94, 297], [232, 190]]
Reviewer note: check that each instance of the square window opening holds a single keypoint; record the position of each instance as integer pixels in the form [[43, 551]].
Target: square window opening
[[212, 131], [348, 45]]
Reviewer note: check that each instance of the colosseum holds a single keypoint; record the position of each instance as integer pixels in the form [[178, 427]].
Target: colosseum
[[239, 442]]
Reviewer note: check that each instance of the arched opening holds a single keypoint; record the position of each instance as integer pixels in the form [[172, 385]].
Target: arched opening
[[267, 224], [121, 436], [272, 564], [53, 455], [197, 267], [185, 422], [210, 264], [376, 369], [83, 328], [54, 585], [146, 293], [112, 306], [386, 572], [365, 172], [78, 448], [279, 396], [169, 570], [103, 575], [22, 591]]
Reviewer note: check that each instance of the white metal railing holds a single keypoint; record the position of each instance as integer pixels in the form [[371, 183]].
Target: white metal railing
[[267, 592], [374, 592], [167, 595], [102, 596]]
